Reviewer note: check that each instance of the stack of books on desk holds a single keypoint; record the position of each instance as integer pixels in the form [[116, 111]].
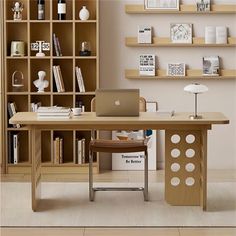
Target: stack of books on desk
[[57, 112]]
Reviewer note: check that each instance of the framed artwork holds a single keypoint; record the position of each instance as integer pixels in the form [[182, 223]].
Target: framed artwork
[[176, 69], [151, 106], [203, 5], [162, 4], [181, 33]]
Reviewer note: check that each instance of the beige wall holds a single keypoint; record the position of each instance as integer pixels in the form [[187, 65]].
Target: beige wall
[[115, 25]]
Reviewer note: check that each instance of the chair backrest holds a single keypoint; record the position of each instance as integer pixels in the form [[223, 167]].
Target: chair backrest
[[142, 104]]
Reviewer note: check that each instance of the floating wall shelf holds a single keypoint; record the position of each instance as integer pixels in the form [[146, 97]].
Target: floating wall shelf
[[166, 42], [184, 9], [190, 74]]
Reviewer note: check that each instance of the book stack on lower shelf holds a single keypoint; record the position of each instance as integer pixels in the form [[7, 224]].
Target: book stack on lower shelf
[[58, 79], [13, 148], [54, 112], [58, 150], [80, 151]]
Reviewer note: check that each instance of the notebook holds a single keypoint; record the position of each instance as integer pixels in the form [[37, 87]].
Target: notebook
[[117, 102]]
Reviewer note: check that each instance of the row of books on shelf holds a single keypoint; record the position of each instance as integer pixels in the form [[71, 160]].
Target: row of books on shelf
[[13, 148], [147, 66], [58, 151], [11, 106], [59, 79]]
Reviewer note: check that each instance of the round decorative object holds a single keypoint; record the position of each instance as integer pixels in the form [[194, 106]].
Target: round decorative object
[[84, 13], [17, 81]]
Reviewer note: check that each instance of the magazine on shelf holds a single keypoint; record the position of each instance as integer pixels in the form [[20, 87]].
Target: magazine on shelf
[[58, 78], [210, 34], [80, 151], [211, 66], [16, 148], [147, 65], [144, 34], [221, 35], [56, 44]]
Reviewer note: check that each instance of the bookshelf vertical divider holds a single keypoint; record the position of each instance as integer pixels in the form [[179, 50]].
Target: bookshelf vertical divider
[[71, 32]]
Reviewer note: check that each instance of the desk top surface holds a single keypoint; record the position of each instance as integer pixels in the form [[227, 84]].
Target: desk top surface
[[90, 118]]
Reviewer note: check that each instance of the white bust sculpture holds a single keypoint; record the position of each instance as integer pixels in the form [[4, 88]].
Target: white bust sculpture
[[40, 83]]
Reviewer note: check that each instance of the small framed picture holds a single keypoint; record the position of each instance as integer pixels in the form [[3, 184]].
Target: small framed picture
[[151, 106], [162, 4], [204, 5], [176, 69], [181, 33]]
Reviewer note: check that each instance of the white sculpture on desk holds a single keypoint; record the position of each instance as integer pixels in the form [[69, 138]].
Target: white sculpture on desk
[[40, 83]]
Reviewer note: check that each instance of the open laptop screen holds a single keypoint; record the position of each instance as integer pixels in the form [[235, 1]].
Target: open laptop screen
[[117, 102]]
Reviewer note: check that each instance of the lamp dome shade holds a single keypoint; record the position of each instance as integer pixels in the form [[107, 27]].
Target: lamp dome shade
[[196, 88]]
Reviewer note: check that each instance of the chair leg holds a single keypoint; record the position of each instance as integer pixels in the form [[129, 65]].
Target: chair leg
[[145, 192], [91, 192]]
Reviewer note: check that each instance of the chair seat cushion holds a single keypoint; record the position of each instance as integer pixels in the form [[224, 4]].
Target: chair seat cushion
[[117, 146]]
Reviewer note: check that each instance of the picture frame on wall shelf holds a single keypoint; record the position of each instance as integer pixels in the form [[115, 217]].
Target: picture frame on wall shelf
[[147, 65], [203, 5], [161, 5], [181, 33], [211, 65], [176, 69]]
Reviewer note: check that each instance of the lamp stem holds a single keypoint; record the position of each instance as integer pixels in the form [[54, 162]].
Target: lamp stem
[[195, 112]]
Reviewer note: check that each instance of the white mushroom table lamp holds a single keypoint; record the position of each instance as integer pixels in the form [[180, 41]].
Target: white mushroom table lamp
[[195, 89]]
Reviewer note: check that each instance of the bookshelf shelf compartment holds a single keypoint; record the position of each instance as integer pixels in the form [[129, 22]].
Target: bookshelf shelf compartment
[[23, 156], [66, 43], [88, 70], [166, 42], [69, 9], [86, 101], [15, 33], [36, 66], [65, 101], [21, 102], [67, 71], [34, 11], [190, 75], [85, 33], [46, 146], [21, 66], [90, 5], [40, 98], [184, 9], [9, 12]]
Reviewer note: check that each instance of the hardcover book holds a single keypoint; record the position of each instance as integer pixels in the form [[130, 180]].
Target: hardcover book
[[147, 65], [144, 34], [211, 66]]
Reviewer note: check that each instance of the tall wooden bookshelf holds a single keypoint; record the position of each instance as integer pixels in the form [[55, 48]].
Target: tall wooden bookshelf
[[71, 32]]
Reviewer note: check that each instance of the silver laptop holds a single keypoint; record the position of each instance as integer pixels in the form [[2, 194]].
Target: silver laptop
[[117, 102]]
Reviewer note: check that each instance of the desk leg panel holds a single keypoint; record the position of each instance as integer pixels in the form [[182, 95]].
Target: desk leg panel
[[204, 170], [182, 167], [35, 137]]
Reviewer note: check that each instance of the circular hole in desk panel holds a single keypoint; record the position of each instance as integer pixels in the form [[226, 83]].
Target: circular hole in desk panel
[[190, 167], [190, 139], [175, 153], [175, 138], [190, 181], [175, 181], [175, 167], [190, 153]]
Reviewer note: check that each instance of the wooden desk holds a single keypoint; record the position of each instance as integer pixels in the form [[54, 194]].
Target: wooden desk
[[177, 188]]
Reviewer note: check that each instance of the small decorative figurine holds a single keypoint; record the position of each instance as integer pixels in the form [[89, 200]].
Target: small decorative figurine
[[84, 13], [85, 49], [40, 46], [17, 8], [17, 81], [40, 83]]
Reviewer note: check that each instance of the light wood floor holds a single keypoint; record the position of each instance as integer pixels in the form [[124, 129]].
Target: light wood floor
[[118, 232], [119, 176]]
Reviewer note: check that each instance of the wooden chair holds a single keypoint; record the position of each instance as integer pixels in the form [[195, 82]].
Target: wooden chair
[[118, 146]]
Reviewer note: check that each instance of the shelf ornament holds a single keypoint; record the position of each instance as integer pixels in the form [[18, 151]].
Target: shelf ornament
[[17, 8], [40, 83], [40, 46]]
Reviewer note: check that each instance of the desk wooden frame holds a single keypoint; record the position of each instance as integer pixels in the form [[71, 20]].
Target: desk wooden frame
[[180, 125]]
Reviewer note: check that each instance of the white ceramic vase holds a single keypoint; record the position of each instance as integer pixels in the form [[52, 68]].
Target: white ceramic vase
[[84, 13]]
